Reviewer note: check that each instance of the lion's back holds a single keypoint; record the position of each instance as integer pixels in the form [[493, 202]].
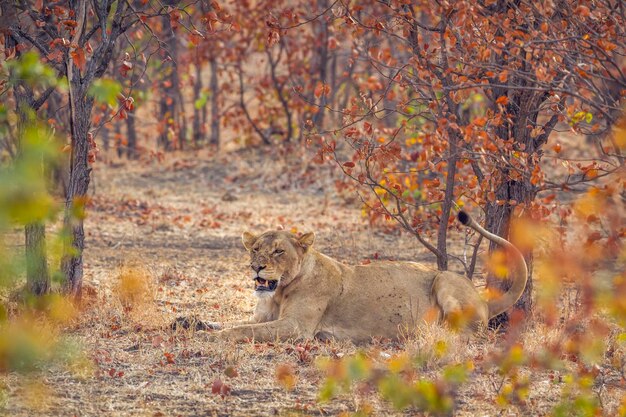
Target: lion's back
[[376, 299]]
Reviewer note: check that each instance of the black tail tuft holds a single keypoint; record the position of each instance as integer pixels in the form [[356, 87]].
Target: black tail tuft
[[463, 217]]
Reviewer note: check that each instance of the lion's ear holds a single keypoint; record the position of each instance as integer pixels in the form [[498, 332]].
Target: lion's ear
[[248, 240], [306, 240]]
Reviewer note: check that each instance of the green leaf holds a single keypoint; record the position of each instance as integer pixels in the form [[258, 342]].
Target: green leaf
[[24, 196], [328, 391], [201, 102], [31, 70], [358, 367], [105, 90], [393, 389], [456, 374]]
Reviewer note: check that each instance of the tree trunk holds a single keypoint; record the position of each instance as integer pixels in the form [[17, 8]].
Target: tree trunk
[[81, 106], [321, 33], [106, 139], [168, 109], [166, 117], [172, 104], [119, 147], [80, 121], [522, 111], [278, 86], [442, 233], [182, 120], [37, 276], [197, 131], [131, 136], [499, 222], [390, 116], [215, 107], [331, 101]]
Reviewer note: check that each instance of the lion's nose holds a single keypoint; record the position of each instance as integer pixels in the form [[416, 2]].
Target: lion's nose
[[257, 268]]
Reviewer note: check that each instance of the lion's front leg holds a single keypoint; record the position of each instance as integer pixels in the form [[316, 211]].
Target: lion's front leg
[[231, 324], [281, 329]]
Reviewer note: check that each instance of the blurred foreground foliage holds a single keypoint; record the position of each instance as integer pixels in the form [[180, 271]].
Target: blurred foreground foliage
[[575, 339], [31, 327]]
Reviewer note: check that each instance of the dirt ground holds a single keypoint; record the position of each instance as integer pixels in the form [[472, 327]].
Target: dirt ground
[[175, 226]]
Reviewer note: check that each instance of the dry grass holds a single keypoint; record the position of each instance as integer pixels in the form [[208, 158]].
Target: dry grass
[[164, 242]]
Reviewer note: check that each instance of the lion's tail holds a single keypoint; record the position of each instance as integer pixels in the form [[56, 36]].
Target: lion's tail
[[518, 275]]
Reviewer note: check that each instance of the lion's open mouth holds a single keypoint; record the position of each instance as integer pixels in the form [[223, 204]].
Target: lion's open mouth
[[263, 284]]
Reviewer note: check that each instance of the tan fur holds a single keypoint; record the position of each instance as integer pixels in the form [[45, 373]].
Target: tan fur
[[318, 296]]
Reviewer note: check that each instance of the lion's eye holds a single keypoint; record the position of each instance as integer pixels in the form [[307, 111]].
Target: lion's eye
[[279, 252]]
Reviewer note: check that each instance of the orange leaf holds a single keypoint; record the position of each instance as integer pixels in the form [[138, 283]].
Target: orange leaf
[[504, 100], [78, 55], [547, 199], [480, 121], [582, 11], [285, 374], [592, 173], [319, 89], [169, 357], [503, 76]]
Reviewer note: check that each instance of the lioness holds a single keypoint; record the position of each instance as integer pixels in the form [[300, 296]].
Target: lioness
[[305, 294]]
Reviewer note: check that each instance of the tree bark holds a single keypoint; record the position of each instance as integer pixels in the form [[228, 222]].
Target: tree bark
[[72, 261], [119, 147], [172, 106], [131, 136], [166, 117], [278, 86], [499, 221], [197, 131], [215, 107], [106, 138], [442, 233], [167, 104], [37, 275], [81, 106], [499, 216], [321, 33]]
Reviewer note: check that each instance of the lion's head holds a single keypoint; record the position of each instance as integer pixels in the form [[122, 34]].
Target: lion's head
[[275, 258]]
